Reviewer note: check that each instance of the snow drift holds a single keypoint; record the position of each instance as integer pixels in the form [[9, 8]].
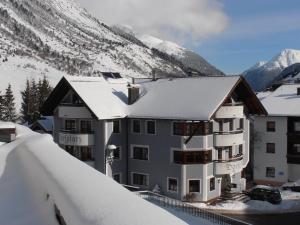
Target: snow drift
[[82, 194]]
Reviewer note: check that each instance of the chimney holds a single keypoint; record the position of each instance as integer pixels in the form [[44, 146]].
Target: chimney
[[298, 91], [133, 94]]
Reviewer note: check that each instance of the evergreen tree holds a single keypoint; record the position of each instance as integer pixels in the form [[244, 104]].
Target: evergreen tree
[[9, 112], [33, 97], [26, 105], [1, 106], [44, 90]]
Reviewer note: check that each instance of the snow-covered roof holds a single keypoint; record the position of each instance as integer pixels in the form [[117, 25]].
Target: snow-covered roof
[[35, 174], [45, 122], [106, 98], [284, 101], [189, 98], [179, 98], [7, 125]]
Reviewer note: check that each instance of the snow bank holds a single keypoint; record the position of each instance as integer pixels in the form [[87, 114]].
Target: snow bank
[[83, 195]]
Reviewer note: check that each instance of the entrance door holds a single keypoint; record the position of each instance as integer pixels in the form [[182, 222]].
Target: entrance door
[[226, 183]]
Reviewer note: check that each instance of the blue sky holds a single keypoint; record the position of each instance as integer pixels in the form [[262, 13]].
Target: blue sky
[[258, 30]]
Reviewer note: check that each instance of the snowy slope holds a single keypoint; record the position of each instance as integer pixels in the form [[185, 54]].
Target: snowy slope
[[263, 74], [189, 58], [17, 69], [66, 37], [35, 174], [60, 37]]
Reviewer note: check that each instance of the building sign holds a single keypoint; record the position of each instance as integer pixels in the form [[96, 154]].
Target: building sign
[[234, 167], [228, 167], [69, 139]]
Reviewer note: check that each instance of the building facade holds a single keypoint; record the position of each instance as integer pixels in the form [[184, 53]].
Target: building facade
[[194, 150], [277, 137]]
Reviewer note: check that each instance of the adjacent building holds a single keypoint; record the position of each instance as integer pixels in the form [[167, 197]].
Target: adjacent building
[[188, 138], [276, 137], [44, 125]]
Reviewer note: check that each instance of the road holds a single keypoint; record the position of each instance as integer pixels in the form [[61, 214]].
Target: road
[[277, 219]]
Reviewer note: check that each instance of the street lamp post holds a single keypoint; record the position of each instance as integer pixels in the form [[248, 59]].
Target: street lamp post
[[109, 157]]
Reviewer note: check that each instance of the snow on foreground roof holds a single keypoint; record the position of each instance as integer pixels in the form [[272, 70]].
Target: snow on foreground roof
[[284, 101], [106, 99], [36, 174], [189, 98]]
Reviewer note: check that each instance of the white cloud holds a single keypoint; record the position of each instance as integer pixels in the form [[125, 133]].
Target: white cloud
[[180, 20]]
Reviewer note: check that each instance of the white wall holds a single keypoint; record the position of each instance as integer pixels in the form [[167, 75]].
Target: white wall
[[262, 159]]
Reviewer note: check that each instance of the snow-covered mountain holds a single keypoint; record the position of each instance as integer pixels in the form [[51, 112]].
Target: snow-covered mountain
[[189, 58], [263, 74], [38, 37]]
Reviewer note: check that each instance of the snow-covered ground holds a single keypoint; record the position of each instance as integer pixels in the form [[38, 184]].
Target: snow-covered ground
[[290, 203], [35, 174]]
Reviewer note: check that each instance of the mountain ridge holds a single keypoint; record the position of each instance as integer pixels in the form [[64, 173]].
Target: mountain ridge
[[38, 37], [261, 77]]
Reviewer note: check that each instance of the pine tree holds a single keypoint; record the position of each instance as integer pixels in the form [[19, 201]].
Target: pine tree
[[9, 112], [26, 105], [44, 91], [1, 106], [33, 97]]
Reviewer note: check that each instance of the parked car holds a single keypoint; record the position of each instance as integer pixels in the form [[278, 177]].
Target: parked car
[[293, 186], [265, 193]]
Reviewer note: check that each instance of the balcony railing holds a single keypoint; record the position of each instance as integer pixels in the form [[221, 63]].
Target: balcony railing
[[230, 111], [230, 166], [187, 208], [77, 132], [223, 139], [73, 111], [76, 139], [233, 159]]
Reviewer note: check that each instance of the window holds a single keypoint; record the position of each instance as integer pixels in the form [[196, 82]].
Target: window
[[270, 172], [297, 126], [241, 127], [230, 125], [220, 153], [192, 157], [230, 153], [136, 126], [141, 153], [192, 128], [212, 182], [70, 125], [75, 99], [296, 148], [270, 147], [117, 153], [86, 126], [117, 177], [220, 126], [86, 154], [240, 149], [194, 186], [151, 127], [116, 126], [172, 185], [139, 179], [271, 126]]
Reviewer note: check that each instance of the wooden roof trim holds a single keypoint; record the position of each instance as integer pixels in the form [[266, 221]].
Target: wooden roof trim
[[241, 80], [50, 106]]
